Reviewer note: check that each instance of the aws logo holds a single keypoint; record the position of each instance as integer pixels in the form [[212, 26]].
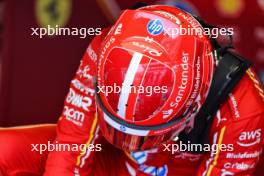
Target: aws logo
[[53, 12], [249, 138]]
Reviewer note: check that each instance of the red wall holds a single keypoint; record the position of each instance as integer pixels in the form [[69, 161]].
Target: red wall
[[37, 72]]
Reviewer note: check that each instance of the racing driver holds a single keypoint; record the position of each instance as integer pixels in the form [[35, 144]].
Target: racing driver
[[127, 131]]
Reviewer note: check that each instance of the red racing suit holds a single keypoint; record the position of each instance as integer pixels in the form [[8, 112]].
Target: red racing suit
[[237, 129]]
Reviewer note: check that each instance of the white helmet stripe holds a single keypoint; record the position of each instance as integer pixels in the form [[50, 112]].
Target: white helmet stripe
[[129, 78]]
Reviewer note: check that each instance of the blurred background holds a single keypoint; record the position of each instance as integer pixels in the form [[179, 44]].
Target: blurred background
[[35, 73]]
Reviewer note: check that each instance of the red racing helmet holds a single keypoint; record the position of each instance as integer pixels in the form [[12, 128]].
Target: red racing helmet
[[152, 78]]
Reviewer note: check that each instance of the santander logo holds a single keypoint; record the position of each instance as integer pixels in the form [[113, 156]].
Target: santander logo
[[249, 138]]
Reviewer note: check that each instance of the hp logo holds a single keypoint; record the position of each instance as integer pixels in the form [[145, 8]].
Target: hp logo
[[155, 27], [122, 128]]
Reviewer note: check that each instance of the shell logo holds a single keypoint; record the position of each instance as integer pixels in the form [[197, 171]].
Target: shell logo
[[53, 12], [230, 8]]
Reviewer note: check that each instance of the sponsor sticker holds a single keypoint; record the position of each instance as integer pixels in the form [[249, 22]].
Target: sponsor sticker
[[184, 79], [238, 166], [249, 138], [244, 155], [155, 27], [122, 128], [73, 115], [118, 29], [78, 100]]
